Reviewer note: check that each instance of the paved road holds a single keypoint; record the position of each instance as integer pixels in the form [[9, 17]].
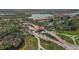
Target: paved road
[[66, 46], [61, 42], [39, 44], [73, 37]]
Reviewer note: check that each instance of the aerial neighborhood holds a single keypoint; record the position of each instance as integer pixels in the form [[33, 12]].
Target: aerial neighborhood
[[27, 29]]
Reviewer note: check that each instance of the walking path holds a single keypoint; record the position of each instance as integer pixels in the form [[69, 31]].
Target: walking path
[[73, 37], [61, 42]]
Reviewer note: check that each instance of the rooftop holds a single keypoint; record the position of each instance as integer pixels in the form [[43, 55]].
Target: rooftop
[[40, 16], [72, 14]]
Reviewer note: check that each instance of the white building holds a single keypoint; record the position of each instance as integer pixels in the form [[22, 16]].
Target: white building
[[72, 14], [40, 17]]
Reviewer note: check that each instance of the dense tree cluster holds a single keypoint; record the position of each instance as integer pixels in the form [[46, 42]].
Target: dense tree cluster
[[66, 23], [10, 35]]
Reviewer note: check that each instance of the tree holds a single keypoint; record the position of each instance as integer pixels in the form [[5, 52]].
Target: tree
[[66, 24]]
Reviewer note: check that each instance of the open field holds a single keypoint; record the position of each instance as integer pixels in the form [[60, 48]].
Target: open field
[[30, 43]]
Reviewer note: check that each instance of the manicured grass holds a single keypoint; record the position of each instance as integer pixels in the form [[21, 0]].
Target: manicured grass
[[75, 32], [50, 46], [66, 39]]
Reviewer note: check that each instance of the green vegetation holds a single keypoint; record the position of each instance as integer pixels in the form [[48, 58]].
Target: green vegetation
[[50, 45], [30, 42], [9, 27], [8, 34], [73, 32], [77, 41], [67, 39], [76, 32]]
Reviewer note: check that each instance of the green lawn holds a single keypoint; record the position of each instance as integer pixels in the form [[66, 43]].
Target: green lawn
[[30, 43], [67, 39], [50, 46], [75, 32]]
